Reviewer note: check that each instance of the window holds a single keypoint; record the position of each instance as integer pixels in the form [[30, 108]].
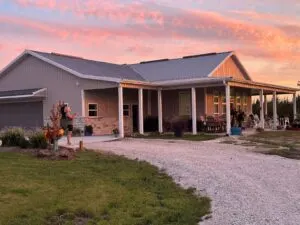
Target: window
[[125, 110], [216, 104], [93, 110], [223, 104], [184, 103]]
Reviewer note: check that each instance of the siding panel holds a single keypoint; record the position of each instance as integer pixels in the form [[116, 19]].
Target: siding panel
[[34, 73], [229, 69]]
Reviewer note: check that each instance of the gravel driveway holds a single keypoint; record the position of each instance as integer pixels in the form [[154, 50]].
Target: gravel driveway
[[245, 187]]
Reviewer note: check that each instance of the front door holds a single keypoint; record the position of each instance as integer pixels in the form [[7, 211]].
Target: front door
[[135, 118]]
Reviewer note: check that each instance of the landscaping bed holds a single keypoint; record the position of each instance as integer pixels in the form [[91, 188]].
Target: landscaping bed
[[91, 189], [187, 137]]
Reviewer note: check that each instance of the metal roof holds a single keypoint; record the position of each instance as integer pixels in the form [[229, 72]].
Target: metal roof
[[188, 67], [24, 93], [91, 67]]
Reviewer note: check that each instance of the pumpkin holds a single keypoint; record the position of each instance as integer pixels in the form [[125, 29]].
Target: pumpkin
[[61, 132]]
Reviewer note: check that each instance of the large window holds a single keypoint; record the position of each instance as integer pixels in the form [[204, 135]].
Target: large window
[[93, 109], [184, 103], [216, 103]]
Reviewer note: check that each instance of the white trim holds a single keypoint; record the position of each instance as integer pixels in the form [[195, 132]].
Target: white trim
[[75, 73], [96, 110], [39, 91], [190, 81], [17, 96], [34, 94]]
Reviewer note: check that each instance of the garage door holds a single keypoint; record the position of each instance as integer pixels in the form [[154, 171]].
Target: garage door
[[21, 114]]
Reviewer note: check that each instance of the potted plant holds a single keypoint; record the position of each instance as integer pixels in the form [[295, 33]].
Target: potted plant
[[88, 130], [236, 123], [116, 132], [178, 127]]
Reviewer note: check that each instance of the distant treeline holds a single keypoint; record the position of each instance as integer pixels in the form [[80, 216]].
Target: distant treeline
[[284, 107]]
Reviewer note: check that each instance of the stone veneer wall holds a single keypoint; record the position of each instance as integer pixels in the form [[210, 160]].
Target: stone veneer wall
[[101, 125]]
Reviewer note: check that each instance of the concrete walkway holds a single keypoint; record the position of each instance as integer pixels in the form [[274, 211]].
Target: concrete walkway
[[86, 140]]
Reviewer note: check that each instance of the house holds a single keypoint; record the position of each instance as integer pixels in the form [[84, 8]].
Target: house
[[109, 96]]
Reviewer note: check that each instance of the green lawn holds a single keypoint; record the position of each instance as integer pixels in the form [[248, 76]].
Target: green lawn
[[187, 137], [282, 143], [93, 189]]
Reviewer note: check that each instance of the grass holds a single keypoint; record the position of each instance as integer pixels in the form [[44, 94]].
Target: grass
[[92, 189], [187, 137], [281, 143]]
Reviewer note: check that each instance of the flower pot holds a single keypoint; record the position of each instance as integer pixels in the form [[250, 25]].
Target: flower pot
[[236, 131]]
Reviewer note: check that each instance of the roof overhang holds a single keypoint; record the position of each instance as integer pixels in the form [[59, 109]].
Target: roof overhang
[[51, 62], [23, 94], [267, 88]]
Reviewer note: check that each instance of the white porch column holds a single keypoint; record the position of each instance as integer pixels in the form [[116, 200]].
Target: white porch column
[[160, 115], [141, 112], [228, 119], [294, 106], [274, 111], [194, 110], [262, 115], [121, 118], [266, 105], [82, 103]]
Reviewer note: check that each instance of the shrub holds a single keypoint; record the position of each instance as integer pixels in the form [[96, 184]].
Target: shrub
[[24, 143], [38, 140], [178, 128], [12, 136], [151, 124]]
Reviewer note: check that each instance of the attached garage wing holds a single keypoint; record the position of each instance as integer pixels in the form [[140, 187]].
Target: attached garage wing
[[22, 108], [22, 114]]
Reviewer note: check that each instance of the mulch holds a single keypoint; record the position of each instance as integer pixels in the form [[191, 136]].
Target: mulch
[[63, 153]]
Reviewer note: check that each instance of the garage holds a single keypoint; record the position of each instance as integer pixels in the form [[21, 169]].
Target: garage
[[21, 108]]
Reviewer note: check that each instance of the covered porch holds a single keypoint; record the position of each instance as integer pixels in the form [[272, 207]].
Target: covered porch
[[130, 105]]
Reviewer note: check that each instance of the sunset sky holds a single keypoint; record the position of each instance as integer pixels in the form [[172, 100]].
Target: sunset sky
[[264, 33]]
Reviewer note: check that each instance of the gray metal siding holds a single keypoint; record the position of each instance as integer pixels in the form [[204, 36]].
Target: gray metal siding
[[21, 114], [32, 73]]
